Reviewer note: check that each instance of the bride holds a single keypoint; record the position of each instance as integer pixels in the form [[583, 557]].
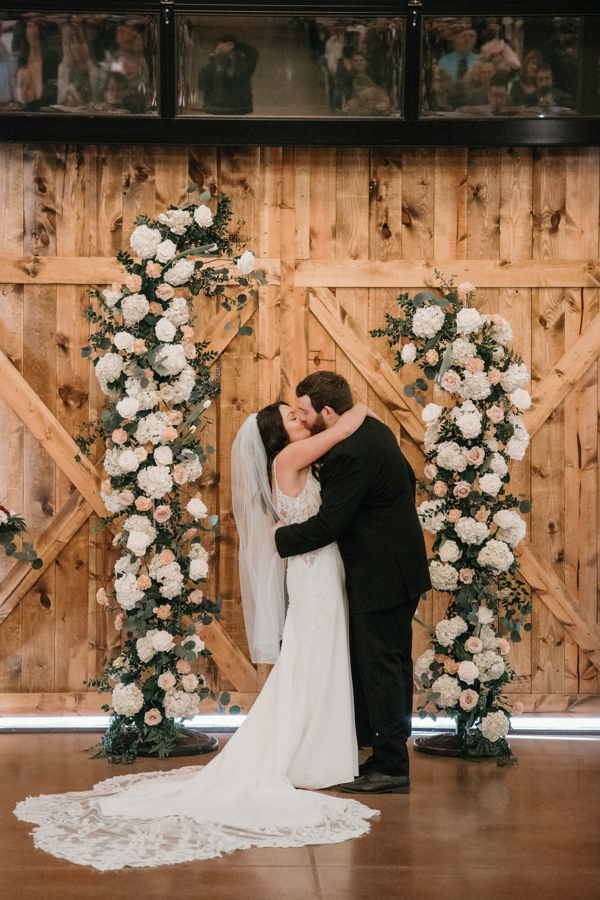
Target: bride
[[298, 737]]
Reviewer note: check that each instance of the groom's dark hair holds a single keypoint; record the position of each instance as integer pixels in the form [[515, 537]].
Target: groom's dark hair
[[326, 389]]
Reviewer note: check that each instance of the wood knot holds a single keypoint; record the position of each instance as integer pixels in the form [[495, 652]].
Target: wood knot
[[555, 221], [238, 405], [543, 322], [39, 183], [47, 509], [590, 268], [551, 526], [385, 231], [62, 340], [141, 174], [45, 601], [406, 217], [316, 360], [72, 397]]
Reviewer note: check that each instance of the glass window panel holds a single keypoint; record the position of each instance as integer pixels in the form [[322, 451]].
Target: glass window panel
[[83, 64], [520, 67], [289, 66]]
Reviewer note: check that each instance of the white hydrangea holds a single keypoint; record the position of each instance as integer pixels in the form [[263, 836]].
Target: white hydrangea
[[169, 577], [151, 427], [177, 220], [463, 351], [147, 397], [449, 690], [475, 386], [111, 461], [450, 456], [127, 591], [127, 565], [470, 531], [518, 425], [144, 646], [488, 638], [180, 704], [184, 385], [193, 468], [498, 465], [112, 502], [490, 665], [177, 311], [172, 358], [155, 481], [492, 444], [424, 662], [134, 308], [111, 297], [144, 241], [127, 699], [198, 562], [495, 725], [503, 333], [430, 516], [431, 438], [448, 630], [513, 533], [427, 321], [180, 273], [140, 523], [408, 353], [444, 577], [496, 555], [108, 368], [516, 376]]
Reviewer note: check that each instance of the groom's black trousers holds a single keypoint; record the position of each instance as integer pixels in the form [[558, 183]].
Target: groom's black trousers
[[382, 677]]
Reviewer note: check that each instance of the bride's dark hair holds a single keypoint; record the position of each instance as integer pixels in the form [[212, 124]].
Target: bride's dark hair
[[272, 431]]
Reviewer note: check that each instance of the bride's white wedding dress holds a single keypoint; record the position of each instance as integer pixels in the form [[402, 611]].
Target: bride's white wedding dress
[[299, 735]]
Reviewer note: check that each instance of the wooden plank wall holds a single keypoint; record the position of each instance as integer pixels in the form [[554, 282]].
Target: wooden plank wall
[[323, 204]]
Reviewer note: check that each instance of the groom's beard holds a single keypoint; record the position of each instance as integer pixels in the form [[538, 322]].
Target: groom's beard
[[318, 425]]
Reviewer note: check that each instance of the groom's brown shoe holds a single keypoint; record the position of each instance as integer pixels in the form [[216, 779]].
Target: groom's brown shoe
[[377, 783]]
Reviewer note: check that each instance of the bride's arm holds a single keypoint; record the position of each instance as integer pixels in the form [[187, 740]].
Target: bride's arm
[[299, 454]]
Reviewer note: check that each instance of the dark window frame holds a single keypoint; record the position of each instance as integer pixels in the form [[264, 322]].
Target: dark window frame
[[169, 128]]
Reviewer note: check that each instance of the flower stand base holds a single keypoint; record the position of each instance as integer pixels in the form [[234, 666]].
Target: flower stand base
[[191, 743], [445, 745]]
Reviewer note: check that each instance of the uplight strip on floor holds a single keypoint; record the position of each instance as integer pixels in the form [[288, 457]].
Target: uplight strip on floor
[[523, 725]]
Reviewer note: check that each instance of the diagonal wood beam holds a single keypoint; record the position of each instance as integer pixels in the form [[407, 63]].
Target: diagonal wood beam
[[560, 600], [564, 375], [360, 351], [218, 336], [228, 657]]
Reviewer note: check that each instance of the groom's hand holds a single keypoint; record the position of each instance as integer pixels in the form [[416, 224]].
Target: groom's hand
[[273, 530]]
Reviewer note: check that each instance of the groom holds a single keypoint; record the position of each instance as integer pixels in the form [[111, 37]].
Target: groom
[[368, 507]]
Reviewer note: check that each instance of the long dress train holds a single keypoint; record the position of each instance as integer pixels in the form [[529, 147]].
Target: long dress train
[[259, 791]]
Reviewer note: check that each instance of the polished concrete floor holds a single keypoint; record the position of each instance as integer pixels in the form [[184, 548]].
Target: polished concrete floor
[[468, 831]]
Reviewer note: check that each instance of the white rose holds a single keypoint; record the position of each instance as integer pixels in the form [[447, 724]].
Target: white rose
[[468, 671], [490, 484], [468, 320], [198, 644], [124, 341], [408, 354], [127, 408], [505, 518], [128, 461], [484, 615], [197, 509], [521, 399], [163, 456], [166, 251], [165, 330], [470, 425], [162, 641], [245, 263], [449, 552], [431, 413], [138, 542], [198, 569], [203, 217], [111, 297]]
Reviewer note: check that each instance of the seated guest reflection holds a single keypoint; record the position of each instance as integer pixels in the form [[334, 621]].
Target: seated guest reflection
[[550, 97], [366, 98], [36, 44], [79, 78], [8, 68], [459, 61], [524, 90], [226, 80], [497, 100]]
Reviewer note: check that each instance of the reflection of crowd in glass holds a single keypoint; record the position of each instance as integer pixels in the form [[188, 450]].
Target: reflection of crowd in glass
[[361, 63], [500, 66], [99, 63]]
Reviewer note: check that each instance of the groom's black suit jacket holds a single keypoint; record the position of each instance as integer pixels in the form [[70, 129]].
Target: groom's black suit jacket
[[368, 507]]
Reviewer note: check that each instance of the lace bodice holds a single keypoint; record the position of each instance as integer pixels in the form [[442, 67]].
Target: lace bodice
[[298, 509]]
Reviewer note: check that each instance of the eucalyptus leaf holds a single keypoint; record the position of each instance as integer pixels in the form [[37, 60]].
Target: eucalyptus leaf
[[409, 390], [225, 698], [234, 710], [245, 330], [192, 188], [205, 195], [525, 506], [418, 300]]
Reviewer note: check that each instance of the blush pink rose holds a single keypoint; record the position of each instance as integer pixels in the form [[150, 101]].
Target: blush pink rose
[[140, 454], [164, 611], [463, 289], [169, 434], [189, 350], [432, 357], [180, 474], [166, 393], [473, 645], [139, 346], [518, 708], [468, 699], [462, 489], [166, 557], [105, 487], [496, 319], [126, 498], [466, 576], [439, 489], [143, 582], [475, 456], [430, 471], [189, 682], [451, 382], [482, 514], [119, 436], [162, 514], [454, 515], [153, 717], [188, 333], [143, 504], [495, 414], [165, 292], [166, 681], [101, 597], [503, 646], [116, 287], [196, 597], [175, 417], [133, 282], [153, 269]]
